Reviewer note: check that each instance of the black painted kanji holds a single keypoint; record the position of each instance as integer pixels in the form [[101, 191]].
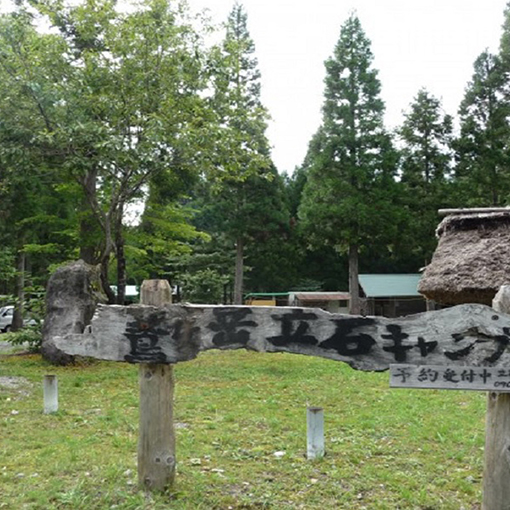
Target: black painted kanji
[[229, 327], [397, 337], [292, 333], [346, 341], [144, 344]]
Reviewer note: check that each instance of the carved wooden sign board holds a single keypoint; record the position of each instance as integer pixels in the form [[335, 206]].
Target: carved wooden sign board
[[446, 377], [466, 335]]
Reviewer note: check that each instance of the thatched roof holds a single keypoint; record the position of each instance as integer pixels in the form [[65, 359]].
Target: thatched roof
[[472, 259]]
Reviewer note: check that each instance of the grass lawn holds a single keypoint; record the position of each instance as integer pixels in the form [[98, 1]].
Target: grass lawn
[[386, 449]]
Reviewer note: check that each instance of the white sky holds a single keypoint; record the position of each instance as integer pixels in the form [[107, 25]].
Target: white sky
[[416, 43]]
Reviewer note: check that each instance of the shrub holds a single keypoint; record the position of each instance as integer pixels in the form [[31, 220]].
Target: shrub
[[30, 335]]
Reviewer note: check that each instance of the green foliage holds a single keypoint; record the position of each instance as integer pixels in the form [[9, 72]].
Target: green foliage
[[7, 261], [348, 201], [243, 202], [427, 135], [30, 336], [482, 149], [350, 183], [426, 163], [107, 98], [241, 119], [165, 233], [206, 286]]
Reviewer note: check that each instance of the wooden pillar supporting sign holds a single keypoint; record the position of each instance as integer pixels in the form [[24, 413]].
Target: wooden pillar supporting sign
[[496, 477], [156, 441]]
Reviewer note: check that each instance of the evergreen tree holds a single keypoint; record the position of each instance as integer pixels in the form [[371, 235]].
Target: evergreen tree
[[347, 200], [483, 169], [245, 163], [252, 214], [426, 135]]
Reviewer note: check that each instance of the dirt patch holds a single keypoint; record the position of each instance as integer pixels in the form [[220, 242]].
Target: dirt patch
[[13, 383]]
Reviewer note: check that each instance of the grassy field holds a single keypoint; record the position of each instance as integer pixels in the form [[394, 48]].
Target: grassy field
[[386, 449]]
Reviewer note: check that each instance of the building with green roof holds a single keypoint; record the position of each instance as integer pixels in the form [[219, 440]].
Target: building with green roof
[[392, 295]]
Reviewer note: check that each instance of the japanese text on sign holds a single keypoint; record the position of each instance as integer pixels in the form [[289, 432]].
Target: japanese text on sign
[[450, 377]]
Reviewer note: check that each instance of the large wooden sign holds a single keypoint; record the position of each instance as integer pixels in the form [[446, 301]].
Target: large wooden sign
[[465, 335]]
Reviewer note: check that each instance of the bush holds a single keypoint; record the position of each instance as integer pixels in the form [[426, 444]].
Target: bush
[[203, 287], [29, 335]]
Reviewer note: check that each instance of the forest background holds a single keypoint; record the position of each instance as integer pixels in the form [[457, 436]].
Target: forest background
[[106, 111]]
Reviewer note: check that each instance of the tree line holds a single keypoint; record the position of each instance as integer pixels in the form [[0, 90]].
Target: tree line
[[109, 112]]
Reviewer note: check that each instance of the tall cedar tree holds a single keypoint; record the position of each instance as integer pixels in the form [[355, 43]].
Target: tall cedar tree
[[237, 100], [426, 136], [347, 200], [483, 171]]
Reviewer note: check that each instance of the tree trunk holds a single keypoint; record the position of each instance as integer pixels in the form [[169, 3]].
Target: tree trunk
[[239, 272], [105, 281], [87, 247], [88, 223], [17, 319], [121, 262], [354, 307]]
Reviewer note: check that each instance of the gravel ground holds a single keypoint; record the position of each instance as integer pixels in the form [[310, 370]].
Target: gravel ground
[[6, 348]]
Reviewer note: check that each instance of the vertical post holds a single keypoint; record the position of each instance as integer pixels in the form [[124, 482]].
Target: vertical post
[[156, 442], [496, 476], [50, 394], [314, 432]]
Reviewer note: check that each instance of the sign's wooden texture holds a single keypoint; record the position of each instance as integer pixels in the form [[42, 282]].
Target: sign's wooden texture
[[446, 377], [464, 335]]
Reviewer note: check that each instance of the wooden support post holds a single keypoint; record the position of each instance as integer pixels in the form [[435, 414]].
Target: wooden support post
[[496, 478], [156, 442], [50, 392], [314, 432]]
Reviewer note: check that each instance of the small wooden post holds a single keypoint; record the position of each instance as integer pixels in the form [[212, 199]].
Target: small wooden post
[[314, 432], [50, 393], [156, 442], [496, 477]]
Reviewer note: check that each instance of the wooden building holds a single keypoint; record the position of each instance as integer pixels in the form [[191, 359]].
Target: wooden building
[[391, 295]]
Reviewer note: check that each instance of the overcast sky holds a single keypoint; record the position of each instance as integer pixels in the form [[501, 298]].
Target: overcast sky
[[416, 43]]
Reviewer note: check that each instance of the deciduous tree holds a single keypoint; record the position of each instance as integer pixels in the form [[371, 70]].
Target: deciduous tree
[[108, 98]]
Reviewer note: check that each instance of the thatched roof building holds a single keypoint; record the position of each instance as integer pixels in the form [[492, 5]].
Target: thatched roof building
[[472, 259]]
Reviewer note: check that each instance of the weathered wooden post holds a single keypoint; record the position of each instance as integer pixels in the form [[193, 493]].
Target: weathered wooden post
[[156, 441], [470, 265], [496, 479], [50, 394]]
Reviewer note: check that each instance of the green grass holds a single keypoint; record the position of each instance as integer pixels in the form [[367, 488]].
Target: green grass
[[386, 449]]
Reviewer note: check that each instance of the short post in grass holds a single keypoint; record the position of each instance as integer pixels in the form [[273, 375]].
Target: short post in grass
[[496, 477], [314, 432], [156, 442], [50, 394]]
